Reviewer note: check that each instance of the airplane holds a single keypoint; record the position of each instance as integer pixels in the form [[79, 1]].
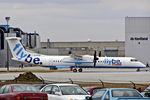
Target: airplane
[[77, 62]]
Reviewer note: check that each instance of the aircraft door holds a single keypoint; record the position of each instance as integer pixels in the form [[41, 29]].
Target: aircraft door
[[50, 62]]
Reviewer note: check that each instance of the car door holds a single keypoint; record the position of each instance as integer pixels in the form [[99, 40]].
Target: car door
[[48, 90], [107, 96], [56, 93]]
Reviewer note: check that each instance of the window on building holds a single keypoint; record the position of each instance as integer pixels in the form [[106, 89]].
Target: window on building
[[111, 53]]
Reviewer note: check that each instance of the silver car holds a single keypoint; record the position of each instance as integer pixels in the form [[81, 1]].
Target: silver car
[[64, 92]]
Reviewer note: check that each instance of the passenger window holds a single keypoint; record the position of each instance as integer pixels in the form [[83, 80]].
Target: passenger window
[[107, 96], [2, 89], [47, 89], [6, 89], [55, 89]]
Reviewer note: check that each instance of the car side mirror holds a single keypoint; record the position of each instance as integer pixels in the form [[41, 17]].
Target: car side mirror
[[58, 93], [88, 98]]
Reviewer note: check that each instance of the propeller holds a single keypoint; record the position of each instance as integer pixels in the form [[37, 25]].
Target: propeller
[[70, 52], [99, 53], [95, 58]]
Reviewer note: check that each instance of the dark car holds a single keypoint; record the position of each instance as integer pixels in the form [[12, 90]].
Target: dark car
[[21, 92], [92, 90], [146, 92]]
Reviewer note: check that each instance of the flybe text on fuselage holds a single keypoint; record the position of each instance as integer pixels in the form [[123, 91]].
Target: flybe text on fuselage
[[27, 57], [112, 62]]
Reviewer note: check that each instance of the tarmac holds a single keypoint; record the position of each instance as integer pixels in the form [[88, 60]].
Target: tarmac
[[112, 75]]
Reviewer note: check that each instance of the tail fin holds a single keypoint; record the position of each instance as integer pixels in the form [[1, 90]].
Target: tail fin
[[16, 48]]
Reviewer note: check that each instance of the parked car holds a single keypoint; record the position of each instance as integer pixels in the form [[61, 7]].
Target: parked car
[[146, 92], [39, 86], [64, 92], [117, 94], [92, 90], [21, 92]]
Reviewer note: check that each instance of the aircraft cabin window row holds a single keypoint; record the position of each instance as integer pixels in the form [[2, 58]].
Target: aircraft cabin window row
[[56, 60]]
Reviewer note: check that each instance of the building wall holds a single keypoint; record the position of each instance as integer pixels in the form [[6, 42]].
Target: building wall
[[46, 51], [137, 38], [3, 53], [84, 48]]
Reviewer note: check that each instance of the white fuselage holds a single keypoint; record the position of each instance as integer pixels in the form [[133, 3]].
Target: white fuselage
[[86, 62]]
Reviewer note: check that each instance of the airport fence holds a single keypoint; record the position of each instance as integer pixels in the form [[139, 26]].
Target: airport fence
[[99, 83], [30, 78]]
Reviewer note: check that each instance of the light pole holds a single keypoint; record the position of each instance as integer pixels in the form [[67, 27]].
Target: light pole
[[7, 62]]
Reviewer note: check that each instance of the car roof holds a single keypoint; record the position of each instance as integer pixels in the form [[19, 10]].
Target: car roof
[[64, 84], [148, 87], [119, 89], [17, 84], [92, 87]]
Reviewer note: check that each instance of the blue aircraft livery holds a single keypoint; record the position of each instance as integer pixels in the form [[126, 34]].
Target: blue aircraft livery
[[22, 55], [112, 62], [28, 58]]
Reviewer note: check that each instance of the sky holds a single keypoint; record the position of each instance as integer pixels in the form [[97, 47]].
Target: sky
[[73, 20]]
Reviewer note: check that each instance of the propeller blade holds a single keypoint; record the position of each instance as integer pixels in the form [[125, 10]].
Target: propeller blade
[[69, 52], [94, 64], [99, 53], [95, 58]]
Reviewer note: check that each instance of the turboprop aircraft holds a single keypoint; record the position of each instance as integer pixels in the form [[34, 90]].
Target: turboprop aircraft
[[71, 61]]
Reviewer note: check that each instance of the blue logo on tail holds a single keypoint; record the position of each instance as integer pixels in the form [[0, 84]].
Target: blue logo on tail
[[28, 58], [19, 51]]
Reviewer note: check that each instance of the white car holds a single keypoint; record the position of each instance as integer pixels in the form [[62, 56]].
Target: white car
[[64, 92]]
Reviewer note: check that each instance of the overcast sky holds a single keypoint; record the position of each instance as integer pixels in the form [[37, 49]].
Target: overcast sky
[[73, 20]]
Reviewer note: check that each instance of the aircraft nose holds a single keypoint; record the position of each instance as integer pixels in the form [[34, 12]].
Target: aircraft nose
[[142, 65]]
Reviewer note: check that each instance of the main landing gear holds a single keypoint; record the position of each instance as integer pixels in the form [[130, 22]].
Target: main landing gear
[[79, 70], [138, 70]]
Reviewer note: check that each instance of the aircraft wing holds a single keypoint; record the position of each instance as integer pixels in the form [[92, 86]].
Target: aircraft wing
[[77, 59]]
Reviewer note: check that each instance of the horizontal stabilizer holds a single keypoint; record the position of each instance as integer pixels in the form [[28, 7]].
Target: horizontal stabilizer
[[13, 38]]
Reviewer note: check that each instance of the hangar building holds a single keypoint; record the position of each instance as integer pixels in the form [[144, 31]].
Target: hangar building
[[107, 48], [137, 38]]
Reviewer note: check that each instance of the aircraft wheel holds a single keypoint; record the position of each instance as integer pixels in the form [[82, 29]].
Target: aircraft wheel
[[138, 70], [80, 70], [74, 70]]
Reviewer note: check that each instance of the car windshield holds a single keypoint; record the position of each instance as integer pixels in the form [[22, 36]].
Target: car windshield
[[125, 93], [98, 95], [72, 90], [24, 88]]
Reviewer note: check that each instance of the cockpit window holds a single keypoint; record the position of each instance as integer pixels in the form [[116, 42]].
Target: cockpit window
[[134, 60]]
